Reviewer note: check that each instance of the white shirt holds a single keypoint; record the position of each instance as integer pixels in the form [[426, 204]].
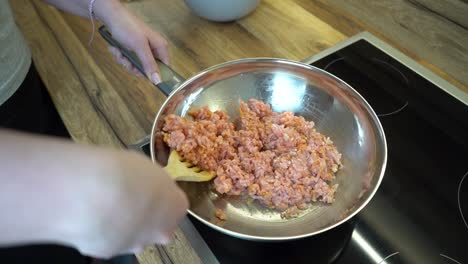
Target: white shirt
[[15, 56]]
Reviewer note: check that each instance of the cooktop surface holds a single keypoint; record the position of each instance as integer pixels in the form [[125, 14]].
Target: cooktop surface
[[420, 212]]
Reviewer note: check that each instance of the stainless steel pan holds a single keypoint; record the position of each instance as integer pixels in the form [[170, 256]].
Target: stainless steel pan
[[336, 108]]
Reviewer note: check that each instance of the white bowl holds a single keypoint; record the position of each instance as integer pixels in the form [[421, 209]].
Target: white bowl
[[222, 10]]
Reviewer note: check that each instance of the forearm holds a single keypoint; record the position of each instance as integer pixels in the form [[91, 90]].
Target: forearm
[[104, 10], [44, 186], [127, 29]]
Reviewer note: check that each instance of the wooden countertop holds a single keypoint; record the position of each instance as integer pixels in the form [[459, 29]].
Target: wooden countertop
[[100, 103]]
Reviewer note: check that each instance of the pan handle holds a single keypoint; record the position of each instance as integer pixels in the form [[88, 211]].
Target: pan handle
[[170, 79]]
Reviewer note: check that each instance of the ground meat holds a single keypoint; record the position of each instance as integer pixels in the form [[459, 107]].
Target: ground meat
[[220, 214], [276, 158]]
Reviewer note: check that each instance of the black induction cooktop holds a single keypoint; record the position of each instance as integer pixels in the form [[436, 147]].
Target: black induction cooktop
[[420, 212]]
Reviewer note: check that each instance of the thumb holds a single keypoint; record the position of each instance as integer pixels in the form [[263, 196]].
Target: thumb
[[149, 63]]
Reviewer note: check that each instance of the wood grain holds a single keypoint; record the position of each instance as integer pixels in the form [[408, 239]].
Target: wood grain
[[197, 43], [139, 95], [350, 25], [272, 30], [454, 11], [85, 123], [290, 30], [418, 28], [170, 253], [100, 92], [325, 11]]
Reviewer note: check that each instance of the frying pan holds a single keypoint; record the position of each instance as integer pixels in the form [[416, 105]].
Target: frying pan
[[337, 110]]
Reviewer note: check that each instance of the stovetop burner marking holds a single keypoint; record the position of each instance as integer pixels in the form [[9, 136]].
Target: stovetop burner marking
[[387, 257], [417, 69], [393, 68], [396, 111], [387, 64], [447, 257], [402, 76], [332, 62], [458, 198]]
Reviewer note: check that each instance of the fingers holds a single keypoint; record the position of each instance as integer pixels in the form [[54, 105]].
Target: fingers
[[149, 63], [147, 48], [136, 71], [137, 250], [124, 61], [175, 212], [115, 52], [160, 47]]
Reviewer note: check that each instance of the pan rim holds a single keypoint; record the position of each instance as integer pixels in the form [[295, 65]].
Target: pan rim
[[380, 131]]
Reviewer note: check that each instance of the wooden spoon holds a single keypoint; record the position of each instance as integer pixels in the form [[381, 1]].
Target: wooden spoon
[[184, 171]]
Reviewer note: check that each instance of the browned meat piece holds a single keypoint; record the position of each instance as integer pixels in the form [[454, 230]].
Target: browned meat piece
[[277, 158]]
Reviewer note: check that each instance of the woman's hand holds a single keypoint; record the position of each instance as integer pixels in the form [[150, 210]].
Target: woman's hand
[[104, 202], [136, 205], [135, 35]]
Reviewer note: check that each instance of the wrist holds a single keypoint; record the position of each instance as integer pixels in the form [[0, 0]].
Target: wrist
[[89, 184], [107, 10], [81, 191], [107, 195]]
